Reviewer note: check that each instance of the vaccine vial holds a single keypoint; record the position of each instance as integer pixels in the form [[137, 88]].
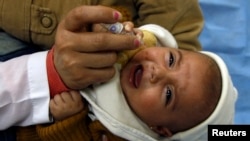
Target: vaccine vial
[[117, 28]]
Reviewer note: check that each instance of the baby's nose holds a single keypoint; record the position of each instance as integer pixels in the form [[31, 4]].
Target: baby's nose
[[159, 74]]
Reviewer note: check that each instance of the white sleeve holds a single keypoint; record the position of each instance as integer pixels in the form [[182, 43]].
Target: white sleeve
[[164, 37], [24, 91]]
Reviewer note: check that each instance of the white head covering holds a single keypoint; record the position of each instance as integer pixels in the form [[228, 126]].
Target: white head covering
[[224, 111], [110, 107]]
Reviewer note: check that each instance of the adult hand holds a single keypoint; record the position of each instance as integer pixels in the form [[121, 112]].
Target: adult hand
[[83, 57]]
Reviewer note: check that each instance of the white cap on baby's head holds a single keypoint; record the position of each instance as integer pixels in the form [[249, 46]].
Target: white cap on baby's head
[[224, 111]]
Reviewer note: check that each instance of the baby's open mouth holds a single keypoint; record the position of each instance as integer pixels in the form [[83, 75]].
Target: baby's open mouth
[[137, 76]]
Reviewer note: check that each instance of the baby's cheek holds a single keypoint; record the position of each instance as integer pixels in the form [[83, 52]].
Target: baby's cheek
[[150, 97], [146, 108]]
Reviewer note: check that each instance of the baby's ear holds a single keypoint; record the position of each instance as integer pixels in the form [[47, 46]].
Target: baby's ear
[[163, 131]]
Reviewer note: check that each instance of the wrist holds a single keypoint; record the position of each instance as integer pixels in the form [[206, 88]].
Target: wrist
[[56, 85]]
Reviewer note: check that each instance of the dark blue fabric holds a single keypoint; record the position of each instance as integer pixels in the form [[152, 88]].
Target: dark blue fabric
[[8, 135], [10, 47], [17, 53]]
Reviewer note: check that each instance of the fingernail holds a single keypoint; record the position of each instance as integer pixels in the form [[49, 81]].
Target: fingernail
[[127, 27], [139, 37], [117, 15], [137, 42]]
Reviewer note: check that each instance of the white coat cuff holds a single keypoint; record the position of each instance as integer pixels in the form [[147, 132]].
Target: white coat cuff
[[39, 88]]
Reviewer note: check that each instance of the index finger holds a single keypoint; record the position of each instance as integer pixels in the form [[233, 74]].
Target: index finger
[[83, 15], [95, 42]]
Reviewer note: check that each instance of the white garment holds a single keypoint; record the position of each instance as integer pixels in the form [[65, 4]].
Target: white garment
[[110, 107], [24, 91]]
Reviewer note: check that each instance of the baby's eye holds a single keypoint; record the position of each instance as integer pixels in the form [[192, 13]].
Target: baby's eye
[[168, 95], [171, 60]]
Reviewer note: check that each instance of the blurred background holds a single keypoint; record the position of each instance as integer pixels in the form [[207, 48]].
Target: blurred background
[[226, 33]]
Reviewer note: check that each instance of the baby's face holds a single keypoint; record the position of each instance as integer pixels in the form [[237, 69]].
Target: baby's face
[[163, 85]]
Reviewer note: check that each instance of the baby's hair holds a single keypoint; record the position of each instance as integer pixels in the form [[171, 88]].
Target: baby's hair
[[212, 88], [213, 84]]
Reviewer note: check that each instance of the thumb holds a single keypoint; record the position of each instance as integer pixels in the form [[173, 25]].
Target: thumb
[[81, 16]]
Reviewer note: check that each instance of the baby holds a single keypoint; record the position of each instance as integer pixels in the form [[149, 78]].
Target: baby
[[163, 93]]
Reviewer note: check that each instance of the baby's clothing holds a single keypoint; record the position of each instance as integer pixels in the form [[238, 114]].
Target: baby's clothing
[[110, 107]]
